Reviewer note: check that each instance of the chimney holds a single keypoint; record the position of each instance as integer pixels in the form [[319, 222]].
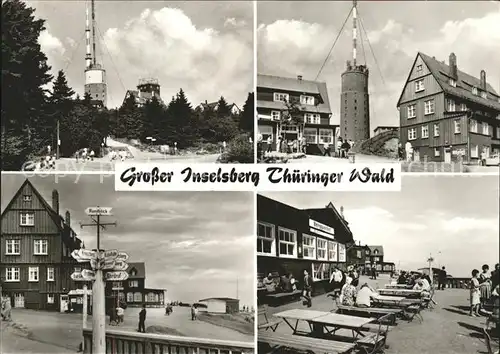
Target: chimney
[[342, 212], [206, 102], [483, 80], [452, 61], [67, 219], [55, 201], [299, 77]]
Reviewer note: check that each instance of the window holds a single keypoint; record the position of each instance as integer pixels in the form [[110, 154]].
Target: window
[[326, 136], [133, 284], [12, 274], [412, 111], [474, 90], [484, 95], [13, 247], [498, 132], [78, 269], [453, 82], [309, 100], [137, 297], [376, 259], [289, 128], [474, 151], [425, 131], [130, 297], [281, 97], [419, 85], [332, 251], [437, 152], [320, 271], [436, 129], [117, 284], [473, 126], [50, 298], [287, 242], [50, 274], [266, 131], [265, 238], [41, 247], [419, 68], [463, 107], [429, 106], [151, 297], [412, 133], [275, 115], [312, 118], [311, 135], [486, 129], [309, 246], [451, 106], [456, 124], [27, 219], [322, 247], [33, 274], [26, 198]]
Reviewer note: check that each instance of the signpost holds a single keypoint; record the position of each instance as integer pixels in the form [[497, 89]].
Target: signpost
[[88, 274], [116, 276], [77, 276], [120, 265], [122, 256], [98, 211]]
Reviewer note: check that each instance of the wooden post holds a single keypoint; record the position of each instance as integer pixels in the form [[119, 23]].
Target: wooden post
[[85, 303], [98, 315]]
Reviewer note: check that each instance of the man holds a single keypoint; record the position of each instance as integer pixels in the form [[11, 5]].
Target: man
[[307, 292], [442, 279], [336, 280], [339, 147], [364, 296], [326, 146], [269, 283], [142, 319], [285, 284], [269, 144]]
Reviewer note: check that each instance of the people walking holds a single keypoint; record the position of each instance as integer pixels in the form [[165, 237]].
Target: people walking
[[307, 290], [326, 147], [142, 320], [442, 279]]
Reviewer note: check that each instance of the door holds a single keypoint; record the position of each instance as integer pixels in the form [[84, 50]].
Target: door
[[19, 300], [416, 155], [64, 304], [447, 155]]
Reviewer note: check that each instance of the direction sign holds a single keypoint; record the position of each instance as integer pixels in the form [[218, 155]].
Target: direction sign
[[76, 255], [98, 211], [94, 264], [88, 274], [108, 264], [120, 265], [77, 276], [87, 254], [122, 256], [109, 254], [116, 276]]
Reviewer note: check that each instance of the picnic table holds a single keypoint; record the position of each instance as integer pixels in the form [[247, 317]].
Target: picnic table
[[400, 292], [370, 312], [303, 343], [398, 286]]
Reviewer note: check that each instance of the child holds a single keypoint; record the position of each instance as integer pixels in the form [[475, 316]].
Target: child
[[474, 294], [293, 282]]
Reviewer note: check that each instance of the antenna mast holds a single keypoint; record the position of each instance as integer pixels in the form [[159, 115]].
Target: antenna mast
[[88, 54], [93, 32], [354, 30]]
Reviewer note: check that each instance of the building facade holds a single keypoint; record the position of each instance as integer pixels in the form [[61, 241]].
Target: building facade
[[291, 240], [447, 114], [375, 259], [146, 90], [214, 106], [355, 103], [220, 305], [133, 291], [35, 252], [312, 100]]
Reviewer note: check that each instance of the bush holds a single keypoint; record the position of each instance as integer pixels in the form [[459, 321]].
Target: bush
[[240, 150]]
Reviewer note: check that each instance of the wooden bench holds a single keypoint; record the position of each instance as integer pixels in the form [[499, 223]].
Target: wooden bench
[[277, 298], [272, 325], [304, 343], [370, 311], [376, 342]]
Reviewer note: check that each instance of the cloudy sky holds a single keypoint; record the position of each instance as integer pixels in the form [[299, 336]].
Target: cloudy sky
[[195, 245], [453, 218], [295, 37], [204, 47]]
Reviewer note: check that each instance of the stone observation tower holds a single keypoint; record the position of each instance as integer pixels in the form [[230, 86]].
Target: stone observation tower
[[149, 88], [354, 97], [95, 75]]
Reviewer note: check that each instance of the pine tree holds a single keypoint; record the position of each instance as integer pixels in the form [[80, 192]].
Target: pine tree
[[61, 92], [24, 73], [247, 117], [223, 108], [153, 113]]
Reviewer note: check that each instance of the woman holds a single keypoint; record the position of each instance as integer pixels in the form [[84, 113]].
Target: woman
[[349, 292], [485, 282], [474, 294]]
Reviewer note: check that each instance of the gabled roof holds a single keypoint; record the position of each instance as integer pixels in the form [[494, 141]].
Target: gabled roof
[[385, 127], [58, 219], [379, 249], [465, 83], [220, 298], [140, 100], [314, 88], [139, 267]]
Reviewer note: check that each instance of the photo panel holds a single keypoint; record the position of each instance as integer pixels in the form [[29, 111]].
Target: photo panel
[[380, 271], [124, 80], [170, 265], [371, 82]]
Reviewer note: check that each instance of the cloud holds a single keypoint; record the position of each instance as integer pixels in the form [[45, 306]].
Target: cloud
[[166, 44], [466, 224], [50, 44], [289, 47], [233, 22]]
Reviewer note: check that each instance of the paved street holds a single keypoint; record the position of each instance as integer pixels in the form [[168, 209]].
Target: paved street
[[63, 331], [446, 329]]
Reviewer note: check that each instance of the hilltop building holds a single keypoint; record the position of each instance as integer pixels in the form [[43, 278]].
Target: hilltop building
[[146, 90], [214, 106]]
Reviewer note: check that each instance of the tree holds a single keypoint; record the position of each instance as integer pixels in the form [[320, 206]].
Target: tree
[[152, 121], [223, 108], [61, 92], [130, 121], [247, 116], [292, 114], [24, 73]]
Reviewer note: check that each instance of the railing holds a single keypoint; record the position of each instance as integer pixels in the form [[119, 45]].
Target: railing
[[121, 342]]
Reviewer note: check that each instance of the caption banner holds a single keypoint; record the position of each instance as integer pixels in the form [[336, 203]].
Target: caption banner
[[130, 176]]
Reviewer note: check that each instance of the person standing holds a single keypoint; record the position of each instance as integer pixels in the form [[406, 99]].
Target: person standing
[[142, 320], [474, 294], [307, 291], [339, 147], [193, 313], [442, 279], [485, 282], [326, 147], [120, 312], [269, 142]]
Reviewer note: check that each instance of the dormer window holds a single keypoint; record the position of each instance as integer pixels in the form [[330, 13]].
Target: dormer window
[[27, 198], [375, 252], [451, 106], [133, 272], [484, 95], [453, 83], [474, 91], [281, 97], [309, 100]]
